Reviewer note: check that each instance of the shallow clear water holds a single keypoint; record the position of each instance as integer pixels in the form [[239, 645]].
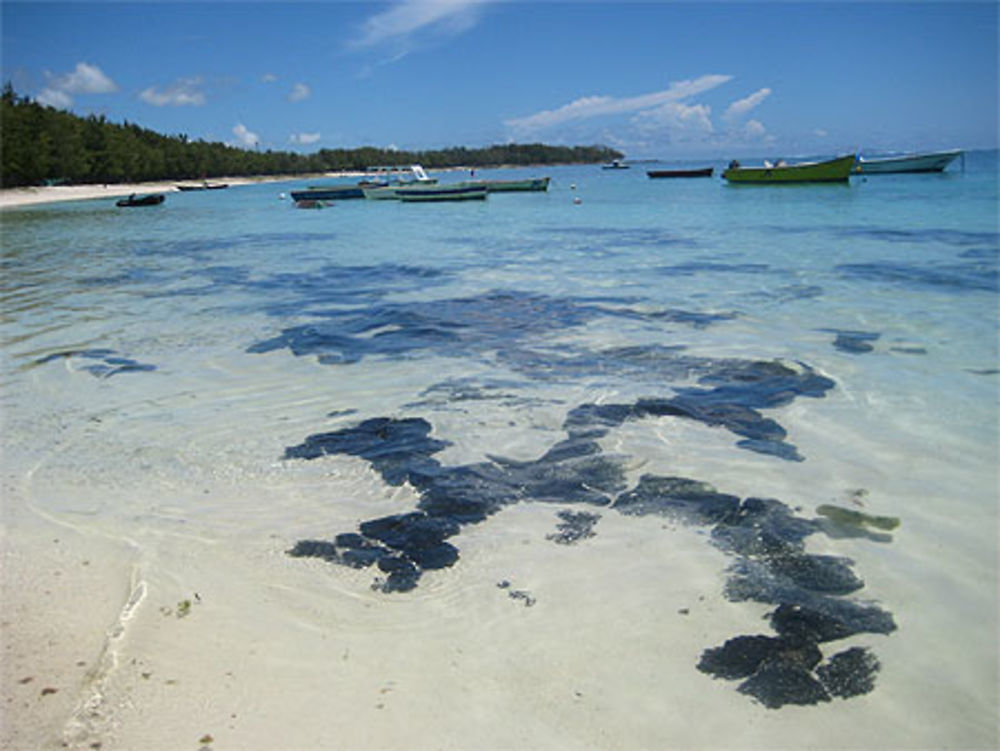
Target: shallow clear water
[[164, 369]]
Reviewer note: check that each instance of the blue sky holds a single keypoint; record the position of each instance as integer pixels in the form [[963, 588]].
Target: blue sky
[[653, 79]]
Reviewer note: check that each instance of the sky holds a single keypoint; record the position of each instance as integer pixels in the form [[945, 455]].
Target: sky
[[652, 78]]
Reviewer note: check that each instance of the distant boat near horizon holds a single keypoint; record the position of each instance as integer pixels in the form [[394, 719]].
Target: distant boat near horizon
[[133, 200], [935, 161], [615, 164], [202, 186], [831, 170], [698, 172]]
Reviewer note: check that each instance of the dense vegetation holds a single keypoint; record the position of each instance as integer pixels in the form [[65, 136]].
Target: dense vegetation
[[41, 144]]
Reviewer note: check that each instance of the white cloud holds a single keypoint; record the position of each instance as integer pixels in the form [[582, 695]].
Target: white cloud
[[304, 138], [741, 106], [85, 79], [820, 133], [268, 78], [55, 98], [596, 106], [299, 92], [678, 119], [754, 130], [183, 92], [245, 137], [407, 17]]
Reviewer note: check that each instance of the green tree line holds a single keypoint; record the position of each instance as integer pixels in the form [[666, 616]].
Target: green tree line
[[40, 144]]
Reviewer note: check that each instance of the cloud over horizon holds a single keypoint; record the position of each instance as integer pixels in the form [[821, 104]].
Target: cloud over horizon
[[588, 107], [742, 106], [85, 79], [245, 138], [182, 93], [304, 139]]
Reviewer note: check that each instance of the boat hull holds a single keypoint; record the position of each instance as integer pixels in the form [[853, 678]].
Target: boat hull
[[329, 193], [831, 171], [507, 186], [936, 162], [455, 192], [152, 200], [702, 172]]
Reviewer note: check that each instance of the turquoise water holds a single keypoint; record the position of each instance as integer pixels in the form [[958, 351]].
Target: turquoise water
[[379, 384]]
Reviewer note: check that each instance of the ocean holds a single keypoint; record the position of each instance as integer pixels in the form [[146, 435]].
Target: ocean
[[578, 469]]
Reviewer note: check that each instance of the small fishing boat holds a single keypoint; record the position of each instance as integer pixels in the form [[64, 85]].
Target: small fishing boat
[[328, 193], [310, 203], [154, 199], [928, 162], [202, 186], [449, 192], [832, 170], [387, 190], [699, 172], [528, 184], [615, 164]]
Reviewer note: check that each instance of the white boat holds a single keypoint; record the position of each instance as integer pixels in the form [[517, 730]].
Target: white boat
[[929, 162], [381, 192]]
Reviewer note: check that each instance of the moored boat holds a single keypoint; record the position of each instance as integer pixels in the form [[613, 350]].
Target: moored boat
[[699, 172], [203, 186], [831, 170], [528, 184], [927, 162], [448, 192], [615, 164], [154, 199], [328, 193]]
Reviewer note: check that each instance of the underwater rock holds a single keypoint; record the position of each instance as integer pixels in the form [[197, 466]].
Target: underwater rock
[[854, 342], [575, 526], [395, 448], [677, 498], [850, 673]]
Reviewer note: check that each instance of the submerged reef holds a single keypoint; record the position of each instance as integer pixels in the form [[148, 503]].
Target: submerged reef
[[764, 537], [524, 335]]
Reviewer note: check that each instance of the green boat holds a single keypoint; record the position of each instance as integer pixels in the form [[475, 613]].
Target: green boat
[[528, 184], [833, 170]]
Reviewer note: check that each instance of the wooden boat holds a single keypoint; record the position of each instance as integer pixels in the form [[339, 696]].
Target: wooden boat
[[328, 193], [615, 164], [528, 184], [928, 162], [700, 172], [203, 186], [309, 203], [832, 170], [154, 199], [448, 192], [387, 190]]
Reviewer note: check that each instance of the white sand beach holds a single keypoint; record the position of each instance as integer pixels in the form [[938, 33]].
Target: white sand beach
[[16, 197]]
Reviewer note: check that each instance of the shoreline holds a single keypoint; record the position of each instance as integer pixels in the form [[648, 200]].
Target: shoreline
[[19, 197], [13, 198]]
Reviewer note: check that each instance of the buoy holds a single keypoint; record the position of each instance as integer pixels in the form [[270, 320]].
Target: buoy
[[281, 196], [572, 186], [578, 200]]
